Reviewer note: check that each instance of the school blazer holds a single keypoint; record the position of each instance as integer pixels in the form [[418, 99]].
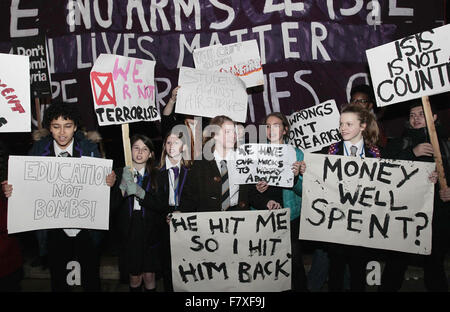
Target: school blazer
[[163, 188], [203, 189]]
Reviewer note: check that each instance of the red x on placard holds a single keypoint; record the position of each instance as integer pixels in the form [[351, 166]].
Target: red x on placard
[[105, 98]]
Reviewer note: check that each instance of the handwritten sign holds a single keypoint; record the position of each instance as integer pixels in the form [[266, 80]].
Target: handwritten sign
[[123, 89], [411, 67], [263, 162], [15, 112], [209, 94], [240, 59], [315, 127], [231, 251], [61, 192], [383, 204]]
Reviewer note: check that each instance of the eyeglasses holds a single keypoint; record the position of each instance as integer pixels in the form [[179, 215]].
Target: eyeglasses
[[359, 101]]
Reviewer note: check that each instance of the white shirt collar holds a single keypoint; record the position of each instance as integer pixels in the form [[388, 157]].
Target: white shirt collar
[[359, 145], [58, 150], [219, 158], [141, 172], [169, 164]]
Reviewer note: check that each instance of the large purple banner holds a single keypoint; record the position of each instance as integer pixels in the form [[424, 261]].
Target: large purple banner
[[311, 50]]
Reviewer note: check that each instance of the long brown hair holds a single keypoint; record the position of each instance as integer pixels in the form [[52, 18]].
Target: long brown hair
[[284, 120], [184, 140], [150, 166], [370, 133]]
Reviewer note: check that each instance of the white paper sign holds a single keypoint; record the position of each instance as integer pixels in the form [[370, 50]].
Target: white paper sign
[[241, 59], [209, 94], [244, 251], [123, 89], [58, 192], [411, 67], [15, 111], [263, 162], [376, 203], [315, 127]]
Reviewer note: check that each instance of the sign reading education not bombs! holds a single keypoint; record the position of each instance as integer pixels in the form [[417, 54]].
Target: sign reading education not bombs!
[[209, 94], [61, 192], [315, 127], [231, 251], [123, 89], [240, 59], [374, 203], [411, 67]]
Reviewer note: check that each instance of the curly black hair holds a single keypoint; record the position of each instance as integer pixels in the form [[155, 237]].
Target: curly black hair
[[64, 110]]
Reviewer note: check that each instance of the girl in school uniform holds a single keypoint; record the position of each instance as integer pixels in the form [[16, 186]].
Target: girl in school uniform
[[273, 197], [134, 205], [172, 177]]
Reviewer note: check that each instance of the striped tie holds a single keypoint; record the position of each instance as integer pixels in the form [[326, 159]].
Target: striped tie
[[225, 185], [353, 150]]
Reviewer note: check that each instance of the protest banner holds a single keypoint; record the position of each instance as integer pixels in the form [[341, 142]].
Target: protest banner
[[241, 59], [209, 94], [123, 89], [15, 111], [62, 192], [263, 162], [411, 67], [240, 251], [315, 127], [376, 203]]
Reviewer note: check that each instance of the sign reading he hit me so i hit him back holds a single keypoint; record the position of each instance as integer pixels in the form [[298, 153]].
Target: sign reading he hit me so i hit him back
[[315, 127], [241, 59], [375, 203], [411, 67], [226, 251], [15, 112], [58, 192], [209, 94], [123, 89], [263, 162]]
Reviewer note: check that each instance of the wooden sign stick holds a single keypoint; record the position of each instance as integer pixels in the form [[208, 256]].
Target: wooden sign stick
[[38, 112], [126, 145], [434, 141]]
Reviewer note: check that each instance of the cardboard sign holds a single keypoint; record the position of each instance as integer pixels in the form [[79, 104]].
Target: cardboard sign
[[231, 251], [36, 49], [240, 59], [123, 89], [61, 192], [315, 127], [263, 162], [209, 94], [374, 203], [411, 67], [15, 111]]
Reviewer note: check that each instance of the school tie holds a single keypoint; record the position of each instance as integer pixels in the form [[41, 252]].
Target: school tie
[[139, 179], [64, 154], [225, 185], [353, 150], [176, 174]]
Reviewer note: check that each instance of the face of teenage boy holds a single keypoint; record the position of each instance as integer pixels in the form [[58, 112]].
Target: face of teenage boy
[[174, 146], [226, 136], [351, 128], [275, 130], [140, 153], [362, 99], [417, 118], [62, 131]]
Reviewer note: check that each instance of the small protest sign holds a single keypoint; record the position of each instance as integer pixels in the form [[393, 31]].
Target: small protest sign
[[315, 127], [123, 89], [263, 162], [376, 203], [240, 251], [241, 59], [15, 111], [62, 192], [209, 94], [36, 49], [411, 67]]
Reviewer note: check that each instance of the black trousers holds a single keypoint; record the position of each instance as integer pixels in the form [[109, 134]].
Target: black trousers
[[298, 278], [64, 249]]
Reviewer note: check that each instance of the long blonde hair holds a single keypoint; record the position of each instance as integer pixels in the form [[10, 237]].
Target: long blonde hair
[[370, 133], [182, 137]]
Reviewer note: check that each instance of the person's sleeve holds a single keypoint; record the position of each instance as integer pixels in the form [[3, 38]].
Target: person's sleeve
[[189, 196]]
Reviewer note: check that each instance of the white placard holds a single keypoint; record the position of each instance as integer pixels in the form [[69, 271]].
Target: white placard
[[411, 67], [123, 89], [209, 94], [58, 192], [315, 127], [263, 162], [15, 111], [377, 203], [244, 251], [241, 59]]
